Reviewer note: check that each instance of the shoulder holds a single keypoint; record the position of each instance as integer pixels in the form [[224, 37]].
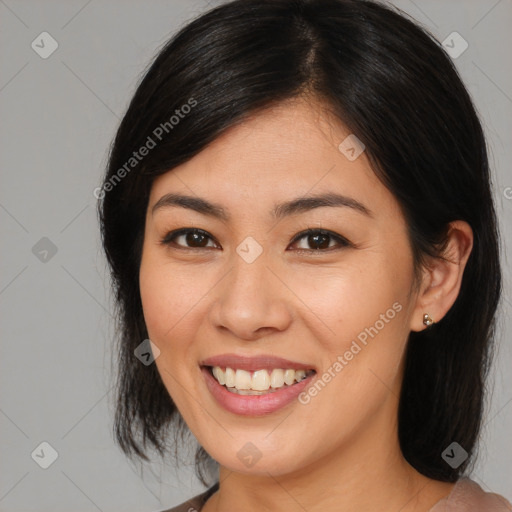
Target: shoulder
[[196, 503], [468, 496]]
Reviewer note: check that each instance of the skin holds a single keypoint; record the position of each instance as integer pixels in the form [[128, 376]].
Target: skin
[[341, 450]]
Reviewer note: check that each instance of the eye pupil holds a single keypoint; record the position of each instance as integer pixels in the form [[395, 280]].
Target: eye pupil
[[196, 239], [319, 241]]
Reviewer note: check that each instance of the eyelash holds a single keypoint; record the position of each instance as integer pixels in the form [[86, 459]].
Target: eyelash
[[169, 238]]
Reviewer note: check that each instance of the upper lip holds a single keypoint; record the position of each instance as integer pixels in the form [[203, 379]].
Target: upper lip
[[254, 363]]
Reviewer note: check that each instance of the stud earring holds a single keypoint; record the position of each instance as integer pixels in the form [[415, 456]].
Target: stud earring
[[427, 320]]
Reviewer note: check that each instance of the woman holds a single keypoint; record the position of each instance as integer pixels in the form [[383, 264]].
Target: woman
[[297, 213]]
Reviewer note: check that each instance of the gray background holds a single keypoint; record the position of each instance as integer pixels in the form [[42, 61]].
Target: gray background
[[59, 115]]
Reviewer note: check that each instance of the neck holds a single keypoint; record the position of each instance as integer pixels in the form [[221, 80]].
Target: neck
[[365, 474]]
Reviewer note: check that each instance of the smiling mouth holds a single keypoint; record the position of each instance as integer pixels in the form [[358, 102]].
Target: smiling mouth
[[259, 382]]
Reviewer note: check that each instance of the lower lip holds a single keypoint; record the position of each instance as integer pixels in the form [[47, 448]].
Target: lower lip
[[253, 405]]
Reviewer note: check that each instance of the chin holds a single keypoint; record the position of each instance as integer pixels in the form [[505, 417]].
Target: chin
[[258, 457]]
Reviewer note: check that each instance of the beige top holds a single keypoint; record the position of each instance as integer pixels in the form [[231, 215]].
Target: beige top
[[466, 496]]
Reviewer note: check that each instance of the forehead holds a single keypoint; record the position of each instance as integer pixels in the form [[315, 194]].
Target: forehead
[[286, 151]]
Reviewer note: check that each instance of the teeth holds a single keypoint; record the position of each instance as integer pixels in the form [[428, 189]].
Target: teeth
[[219, 375], [277, 378], [243, 380], [289, 377], [300, 375], [229, 377], [249, 391], [259, 381]]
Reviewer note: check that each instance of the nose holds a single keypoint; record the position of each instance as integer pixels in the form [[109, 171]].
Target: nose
[[251, 302]]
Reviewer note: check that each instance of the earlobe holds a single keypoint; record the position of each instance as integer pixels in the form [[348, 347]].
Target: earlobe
[[443, 278]]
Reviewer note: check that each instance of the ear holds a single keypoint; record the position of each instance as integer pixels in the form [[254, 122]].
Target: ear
[[442, 279]]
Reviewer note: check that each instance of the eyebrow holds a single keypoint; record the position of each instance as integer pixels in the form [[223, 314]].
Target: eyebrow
[[295, 206]]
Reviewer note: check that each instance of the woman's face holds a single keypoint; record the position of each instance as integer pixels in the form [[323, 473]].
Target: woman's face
[[246, 290]]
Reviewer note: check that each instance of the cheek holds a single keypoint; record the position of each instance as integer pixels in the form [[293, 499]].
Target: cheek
[[347, 299], [156, 292], [167, 294], [168, 299], [174, 305], [366, 310], [362, 325]]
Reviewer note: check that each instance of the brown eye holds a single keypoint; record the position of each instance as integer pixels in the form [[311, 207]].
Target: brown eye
[[187, 238], [320, 240], [196, 239]]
